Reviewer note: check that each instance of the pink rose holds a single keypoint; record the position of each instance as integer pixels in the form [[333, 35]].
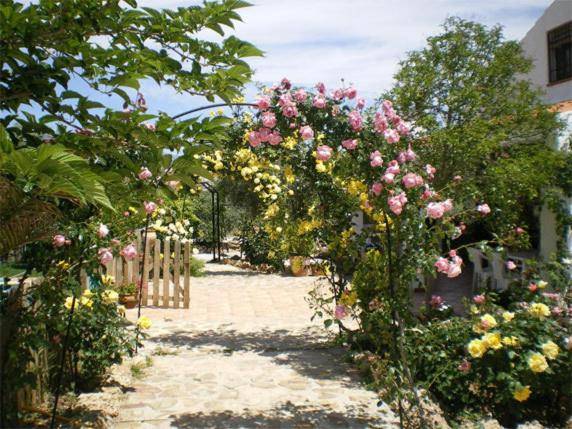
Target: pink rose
[[275, 138], [402, 128], [442, 265], [150, 207], [510, 265], [401, 158], [144, 174], [300, 95], [263, 103], [268, 119], [436, 301], [173, 184], [447, 205], [532, 287], [360, 103], [355, 120], [479, 299], [430, 170], [410, 155], [102, 231], [519, 230], [323, 152], [391, 136], [412, 180], [457, 179], [289, 110], [340, 312], [464, 366], [150, 127], [454, 270], [388, 177], [58, 240], [319, 101], [285, 99], [129, 252], [435, 210], [393, 167], [321, 88], [350, 144], [483, 209], [105, 256], [338, 94], [375, 159], [387, 106], [254, 138], [376, 188], [264, 134], [285, 83], [126, 213], [350, 92], [306, 133], [380, 123], [427, 194], [396, 203]]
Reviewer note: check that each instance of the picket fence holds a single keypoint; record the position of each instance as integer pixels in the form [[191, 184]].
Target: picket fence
[[166, 276]]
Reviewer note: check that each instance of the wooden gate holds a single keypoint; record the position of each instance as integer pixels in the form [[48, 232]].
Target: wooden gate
[[166, 274]]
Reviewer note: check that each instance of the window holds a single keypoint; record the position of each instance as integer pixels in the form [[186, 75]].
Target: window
[[560, 53]]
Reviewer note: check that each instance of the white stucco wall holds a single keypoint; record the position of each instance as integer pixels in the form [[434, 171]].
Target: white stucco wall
[[548, 236], [535, 46]]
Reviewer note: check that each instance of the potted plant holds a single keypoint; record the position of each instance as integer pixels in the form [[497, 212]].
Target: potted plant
[[128, 295]]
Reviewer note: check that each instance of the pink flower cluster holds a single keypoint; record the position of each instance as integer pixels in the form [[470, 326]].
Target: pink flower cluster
[[105, 255], [323, 152], [437, 210], [397, 202], [452, 266]]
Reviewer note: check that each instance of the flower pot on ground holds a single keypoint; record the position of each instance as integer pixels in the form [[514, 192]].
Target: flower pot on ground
[[128, 295], [298, 266]]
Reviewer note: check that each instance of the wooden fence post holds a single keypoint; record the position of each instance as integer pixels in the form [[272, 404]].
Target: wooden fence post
[[156, 271], [177, 274], [166, 274], [187, 274]]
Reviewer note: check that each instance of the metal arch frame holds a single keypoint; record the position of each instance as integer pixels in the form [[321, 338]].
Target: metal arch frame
[[215, 218]]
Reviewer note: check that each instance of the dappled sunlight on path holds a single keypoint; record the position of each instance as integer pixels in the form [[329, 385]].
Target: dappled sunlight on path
[[246, 355]]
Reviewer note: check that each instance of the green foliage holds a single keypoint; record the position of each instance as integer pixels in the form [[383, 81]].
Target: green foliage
[[486, 378], [196, 267], [479, 121]]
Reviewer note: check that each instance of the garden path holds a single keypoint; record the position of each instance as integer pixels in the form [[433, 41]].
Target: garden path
[[246, 355]]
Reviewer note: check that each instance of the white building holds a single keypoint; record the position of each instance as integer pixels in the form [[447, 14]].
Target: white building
[[549, 44]]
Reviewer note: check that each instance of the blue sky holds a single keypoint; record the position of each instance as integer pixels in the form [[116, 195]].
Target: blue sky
[[361, 41]]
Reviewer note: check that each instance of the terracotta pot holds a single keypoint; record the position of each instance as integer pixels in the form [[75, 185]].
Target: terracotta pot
[[129, 301], [297, 266]]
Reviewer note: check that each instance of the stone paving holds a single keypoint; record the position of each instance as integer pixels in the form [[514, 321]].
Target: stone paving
[[246, 355]]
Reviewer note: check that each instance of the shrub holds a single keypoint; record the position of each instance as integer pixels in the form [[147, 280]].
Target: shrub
[[508, 363], [196, 267]]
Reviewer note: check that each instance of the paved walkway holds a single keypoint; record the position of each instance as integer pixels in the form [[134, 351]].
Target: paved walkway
[[246, 355]]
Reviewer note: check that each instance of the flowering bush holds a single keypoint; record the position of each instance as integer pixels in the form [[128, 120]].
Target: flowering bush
[[509, 362]]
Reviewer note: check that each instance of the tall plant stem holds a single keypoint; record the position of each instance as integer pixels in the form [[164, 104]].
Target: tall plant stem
[[398, 331], [141, 276], [62, 363]]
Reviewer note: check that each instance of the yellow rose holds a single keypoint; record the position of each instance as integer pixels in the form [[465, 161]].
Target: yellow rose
[[121, 310], [109, 296], [68, 303], [107, 280], [522, 393], [320, 167], [507, 316], [541, 284], [144, 322], [63, 265], [474, 309], [510, 341], [488, 321], [87, 293], [550, 350], [492, 340], [279, 229], [539, 310], [477, 348], [537, 363], [86, 302]]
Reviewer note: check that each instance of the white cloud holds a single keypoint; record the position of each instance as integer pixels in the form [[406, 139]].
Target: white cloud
[[359, 40]]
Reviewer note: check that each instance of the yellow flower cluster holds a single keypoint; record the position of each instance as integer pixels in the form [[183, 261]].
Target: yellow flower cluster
[[144, 323], [215, 160], [308, 225], [486, 322], [537, 363], [550, 350], [290, 142], [83, 301], [63, 265], [521, 394], [355, 187], [539, 310], [490, 341], [349, 298]]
